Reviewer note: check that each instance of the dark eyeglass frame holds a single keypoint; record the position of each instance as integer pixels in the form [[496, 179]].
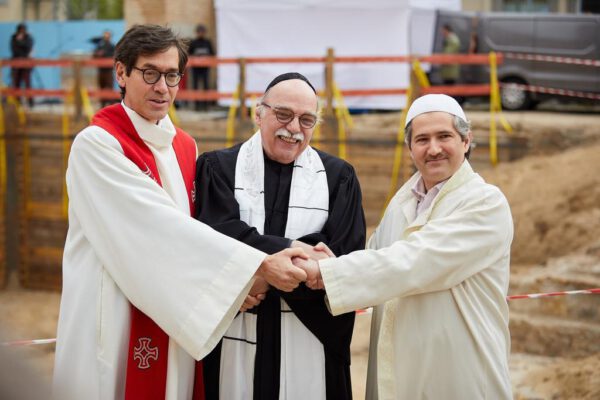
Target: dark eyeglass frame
[[146, 79], [307, 124]]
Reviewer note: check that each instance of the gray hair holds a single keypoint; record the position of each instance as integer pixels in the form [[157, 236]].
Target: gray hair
[[462, 127]]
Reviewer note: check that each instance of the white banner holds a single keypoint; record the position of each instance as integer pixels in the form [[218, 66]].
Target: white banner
[[296, 28]]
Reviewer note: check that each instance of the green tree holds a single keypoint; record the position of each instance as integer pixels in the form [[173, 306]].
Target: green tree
[[94, 9]]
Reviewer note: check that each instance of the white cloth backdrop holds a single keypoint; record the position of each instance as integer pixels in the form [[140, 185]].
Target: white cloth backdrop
[[279, 28]]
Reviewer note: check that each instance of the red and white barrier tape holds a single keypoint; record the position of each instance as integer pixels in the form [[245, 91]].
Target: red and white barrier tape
[[551, 294], [560, 92], [358, 312], [563, 60], [28, 342]]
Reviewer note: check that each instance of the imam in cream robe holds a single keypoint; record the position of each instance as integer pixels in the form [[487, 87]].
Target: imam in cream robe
[[440, 280], [133, 241]]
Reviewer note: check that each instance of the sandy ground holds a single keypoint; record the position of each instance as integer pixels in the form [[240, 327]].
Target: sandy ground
[[555, 200]]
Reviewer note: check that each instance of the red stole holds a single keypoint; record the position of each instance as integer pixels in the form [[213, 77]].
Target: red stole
[[148, 344]]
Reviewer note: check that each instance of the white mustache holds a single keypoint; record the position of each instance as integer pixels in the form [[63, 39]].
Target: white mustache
[[287, 134]]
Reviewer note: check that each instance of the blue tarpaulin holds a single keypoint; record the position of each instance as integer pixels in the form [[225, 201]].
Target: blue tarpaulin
[[56, 40]]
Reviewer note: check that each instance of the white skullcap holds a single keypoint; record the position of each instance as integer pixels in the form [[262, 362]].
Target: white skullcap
[[434, 102]]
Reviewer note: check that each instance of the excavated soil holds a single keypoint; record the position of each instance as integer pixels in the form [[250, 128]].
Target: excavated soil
[[554, 192]]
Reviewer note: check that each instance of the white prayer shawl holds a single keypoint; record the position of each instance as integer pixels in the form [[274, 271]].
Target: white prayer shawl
[[441, 330], [302, 368], [133, 241]]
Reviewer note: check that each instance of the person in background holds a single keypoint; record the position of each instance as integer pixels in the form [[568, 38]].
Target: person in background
[[450, 73], [21, 46], [201, 47], [105, 49]]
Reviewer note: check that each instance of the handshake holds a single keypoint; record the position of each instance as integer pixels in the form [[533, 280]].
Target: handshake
[[286, 269]]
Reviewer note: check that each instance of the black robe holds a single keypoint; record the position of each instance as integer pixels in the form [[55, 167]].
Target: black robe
[[343, 232]]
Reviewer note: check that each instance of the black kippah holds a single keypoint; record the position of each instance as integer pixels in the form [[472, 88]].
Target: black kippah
[[286, 77]]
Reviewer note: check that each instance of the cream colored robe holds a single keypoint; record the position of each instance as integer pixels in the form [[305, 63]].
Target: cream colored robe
[[132, 241], [441, 328]]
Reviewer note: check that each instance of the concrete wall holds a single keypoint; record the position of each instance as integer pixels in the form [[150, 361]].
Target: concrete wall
[[10, 10], [21, 10]]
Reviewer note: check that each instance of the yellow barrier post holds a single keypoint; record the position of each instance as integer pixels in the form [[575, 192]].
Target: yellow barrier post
[[420, 74], [66, 147], [418, 79], [86, 103], [341, 134], [494, 98], [343, 117], [339, 100], [398, 151], [230, 133], [495, 107], [19, 108], [316, 137], [173, 115]]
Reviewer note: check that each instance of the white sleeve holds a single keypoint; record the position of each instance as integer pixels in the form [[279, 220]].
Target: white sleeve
[[442, 254], [188, 278]]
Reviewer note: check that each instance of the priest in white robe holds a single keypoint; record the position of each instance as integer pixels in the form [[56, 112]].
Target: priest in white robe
[[147, 289], [437, 268]]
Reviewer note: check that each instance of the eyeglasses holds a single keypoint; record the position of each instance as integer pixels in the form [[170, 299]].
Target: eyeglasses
[[285, 116], [151, 76]]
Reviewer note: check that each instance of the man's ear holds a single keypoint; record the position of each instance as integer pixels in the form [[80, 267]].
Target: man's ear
[[257, 118], [120, 73], [467, 142]]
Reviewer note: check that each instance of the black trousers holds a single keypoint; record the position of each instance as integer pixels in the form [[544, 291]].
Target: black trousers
[[22, 76], [200, 76]]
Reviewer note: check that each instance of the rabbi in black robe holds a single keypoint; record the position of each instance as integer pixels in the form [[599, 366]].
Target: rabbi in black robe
[[272, 192]]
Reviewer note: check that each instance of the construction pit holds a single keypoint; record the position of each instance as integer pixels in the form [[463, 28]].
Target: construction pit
[[547, 170]]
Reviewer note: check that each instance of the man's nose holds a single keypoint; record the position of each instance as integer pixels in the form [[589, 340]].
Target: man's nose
[[294, 125], [434, 147], [161, 85]]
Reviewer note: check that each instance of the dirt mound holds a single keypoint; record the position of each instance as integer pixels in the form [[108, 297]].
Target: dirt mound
[[555, 378], [555, 202]]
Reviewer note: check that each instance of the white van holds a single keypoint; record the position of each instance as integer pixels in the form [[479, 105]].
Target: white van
[[559, 35]]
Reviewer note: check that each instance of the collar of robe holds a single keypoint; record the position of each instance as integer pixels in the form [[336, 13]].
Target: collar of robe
[[157, 135]]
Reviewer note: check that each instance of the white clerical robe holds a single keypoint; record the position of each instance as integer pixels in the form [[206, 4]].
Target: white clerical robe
[[133, 241], [440, 280]]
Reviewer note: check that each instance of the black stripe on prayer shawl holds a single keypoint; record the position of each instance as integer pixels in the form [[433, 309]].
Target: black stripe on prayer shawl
[[316, 172], [239, 188], [239, 339], [287, 311], [310, 208]]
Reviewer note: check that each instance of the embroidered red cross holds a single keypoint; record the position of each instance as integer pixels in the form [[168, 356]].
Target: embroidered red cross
[[144, 353]]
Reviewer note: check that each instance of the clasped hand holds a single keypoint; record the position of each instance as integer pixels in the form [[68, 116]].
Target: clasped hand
[[286, 269]]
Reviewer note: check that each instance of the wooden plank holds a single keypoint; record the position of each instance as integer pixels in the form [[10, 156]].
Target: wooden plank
[[43, 268]]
